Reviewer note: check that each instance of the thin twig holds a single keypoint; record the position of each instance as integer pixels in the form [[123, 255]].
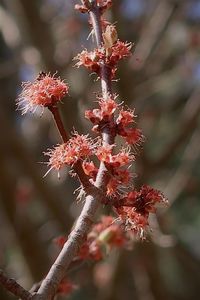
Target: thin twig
[[13, 287], [151, 35], [55, 112]]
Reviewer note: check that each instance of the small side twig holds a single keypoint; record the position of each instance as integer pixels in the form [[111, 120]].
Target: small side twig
[[59, 124], [13, 287], [86, 185]]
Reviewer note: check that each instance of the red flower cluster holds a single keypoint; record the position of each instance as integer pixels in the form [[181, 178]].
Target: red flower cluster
[[104, 153], [45, 91], [120, 50], [103, 237], [91, 60], [78, 147], [133, 221], [144, 200], [119, 177], [122, 126], [101, 117], [109, 54], [135, 207], [66, 287], [133, 136], [126, 117]]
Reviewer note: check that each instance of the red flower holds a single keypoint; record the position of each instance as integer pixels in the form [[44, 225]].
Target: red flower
[[45, 91], [108, 106], [119, 51], [82, 8], [123, 176], [126, 117], [94, 115], [122, 158], [60, 241], [104, 153], [78, 147], [133, 221], [120, 179], [109, 232], [100, 117], [136, 207], [114, 236], [65, 287], [103, 237], [90, 169], [112, 186], [144, 200], [133, 136], [91, 60]]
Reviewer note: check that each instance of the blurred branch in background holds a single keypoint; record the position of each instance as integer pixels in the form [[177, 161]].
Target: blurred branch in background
[[151, 34], [183, 173], [187, 125]]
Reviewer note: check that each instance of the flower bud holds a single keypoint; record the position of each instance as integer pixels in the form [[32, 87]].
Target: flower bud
[[110, 36]]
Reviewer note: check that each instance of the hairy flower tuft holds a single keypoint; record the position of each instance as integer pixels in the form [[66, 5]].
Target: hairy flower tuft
[[126, 117], [133, 136], [104, 236], [120, 179], [100, 117], [91, 60], [136, 207], [78, 147], [45, 91], [133, 221], [120, 50]]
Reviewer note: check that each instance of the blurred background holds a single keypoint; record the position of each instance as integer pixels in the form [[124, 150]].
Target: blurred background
[[161, 80]]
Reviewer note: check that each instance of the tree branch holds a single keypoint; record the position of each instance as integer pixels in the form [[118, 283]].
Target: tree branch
[[58, 270]]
